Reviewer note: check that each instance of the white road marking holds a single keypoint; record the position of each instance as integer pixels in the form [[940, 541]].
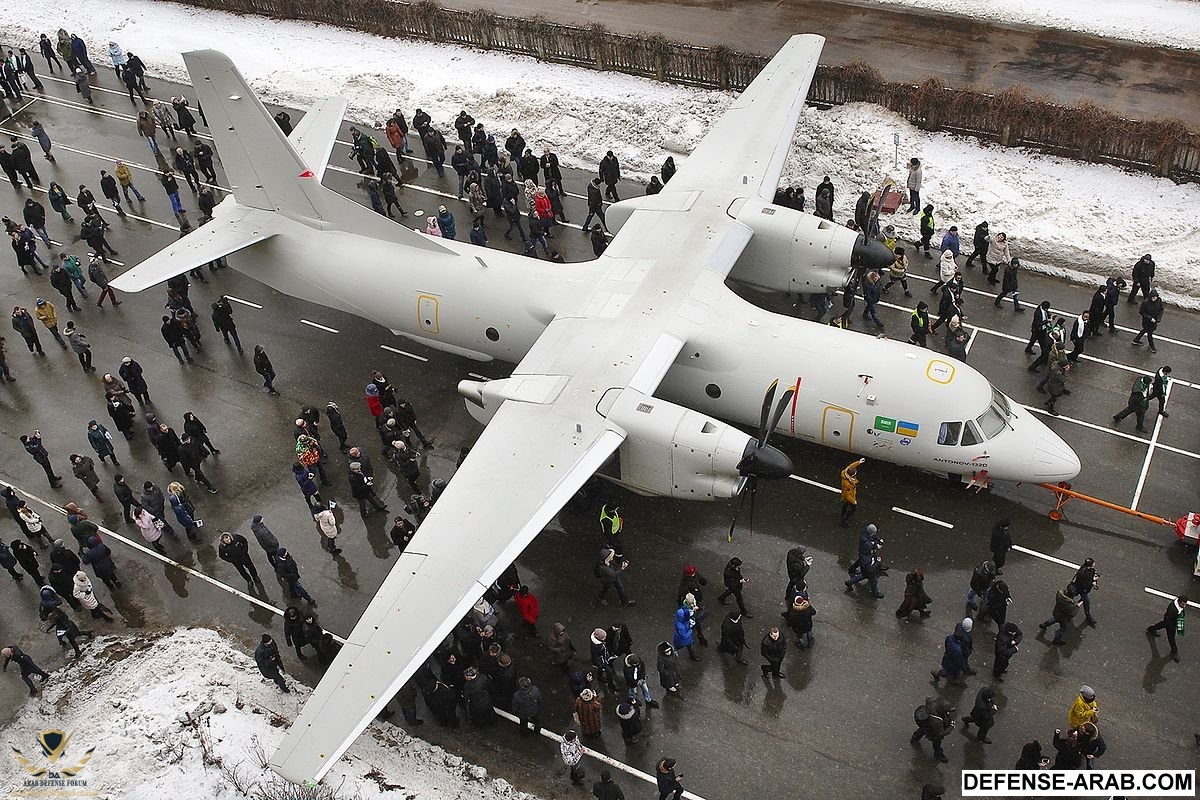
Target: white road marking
[[1011, 337], [1084, 423], [319, 326], [971, 340], [1158, 421], [1044, 557], [897, 509], [402, 352], [811, 482], [915, 515], [19, 110], [477, 376], [601, 757], [243, 302], [1060, 312], [1163, 594]]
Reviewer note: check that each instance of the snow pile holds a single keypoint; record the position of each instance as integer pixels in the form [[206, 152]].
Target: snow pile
[[1065, 217], [1172, 23], [178, 715]]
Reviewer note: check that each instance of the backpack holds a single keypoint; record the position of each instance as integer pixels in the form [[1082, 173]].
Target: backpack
[[921, 714]]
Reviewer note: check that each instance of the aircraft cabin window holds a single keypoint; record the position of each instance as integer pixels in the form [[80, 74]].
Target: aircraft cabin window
[[713, 391], [970, 434], [948, 434], [991, 423], [492, 334], [1000, 402]]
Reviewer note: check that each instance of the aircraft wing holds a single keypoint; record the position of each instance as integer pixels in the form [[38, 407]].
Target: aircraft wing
[[749, 143], [539, 448]]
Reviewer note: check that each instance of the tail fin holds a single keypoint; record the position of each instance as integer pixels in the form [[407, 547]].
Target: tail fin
[[265, 170]]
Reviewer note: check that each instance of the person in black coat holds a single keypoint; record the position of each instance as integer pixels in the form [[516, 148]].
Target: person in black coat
[[1001, 543], [266, 656], [124, 495], [1143, 273], [1008, 642], [122, 415], [27, 557], [132, 373], [191, 457], [363, 490], [733, 580], [26, 664], [262, 365], [222, 317], [236, 550], [733, 637], [595, 203], [1170, 622], [773, 649], [610, 173], [606, 788], [983, 714], [96, 554], [288, 571]]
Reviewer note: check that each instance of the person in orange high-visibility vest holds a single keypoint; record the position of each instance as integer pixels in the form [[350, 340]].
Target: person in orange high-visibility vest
[[850, 491]]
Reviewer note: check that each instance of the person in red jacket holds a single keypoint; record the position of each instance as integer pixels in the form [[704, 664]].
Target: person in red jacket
[[527, 604]]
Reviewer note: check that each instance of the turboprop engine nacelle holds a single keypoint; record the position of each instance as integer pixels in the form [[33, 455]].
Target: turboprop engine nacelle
[[669, 450]]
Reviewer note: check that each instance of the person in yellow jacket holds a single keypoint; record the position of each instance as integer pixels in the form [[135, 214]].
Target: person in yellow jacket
[[850, 491], [48, 316], [1084, 709], [125, 178]]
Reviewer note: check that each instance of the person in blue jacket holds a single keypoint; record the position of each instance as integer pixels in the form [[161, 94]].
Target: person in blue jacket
[[684, 636]]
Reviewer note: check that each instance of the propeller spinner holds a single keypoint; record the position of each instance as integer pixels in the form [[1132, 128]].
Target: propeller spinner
[[759, 459]]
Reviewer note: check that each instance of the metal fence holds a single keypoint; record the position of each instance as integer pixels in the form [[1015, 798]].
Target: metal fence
[[1084, 132]]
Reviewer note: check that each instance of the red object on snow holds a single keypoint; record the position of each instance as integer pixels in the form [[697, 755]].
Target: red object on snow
[[891, 201]]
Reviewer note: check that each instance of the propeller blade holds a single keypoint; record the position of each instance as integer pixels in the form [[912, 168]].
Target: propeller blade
[[738, 510], [778, 415], [764, 418]]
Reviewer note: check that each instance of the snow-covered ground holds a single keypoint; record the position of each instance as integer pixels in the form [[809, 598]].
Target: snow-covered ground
[[1082, 220], [1171, 23], [172, 716]]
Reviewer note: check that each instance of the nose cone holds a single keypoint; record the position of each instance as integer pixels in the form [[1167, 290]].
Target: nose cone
[[1054, 460], [870, 254], [764, 462]]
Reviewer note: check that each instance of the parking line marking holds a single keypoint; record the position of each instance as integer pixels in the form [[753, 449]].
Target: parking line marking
[[1044, 557], [1141, 483], [811, 482], [1163, 594], [243, 302], [319, 326], [915, 515], [477, 376], [402, 352]]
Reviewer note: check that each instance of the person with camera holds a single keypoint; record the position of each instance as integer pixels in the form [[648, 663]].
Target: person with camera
[[362, 489]]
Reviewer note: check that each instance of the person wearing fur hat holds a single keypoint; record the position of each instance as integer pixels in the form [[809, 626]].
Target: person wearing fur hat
[[800, 619], [630, 717], [589, 713]]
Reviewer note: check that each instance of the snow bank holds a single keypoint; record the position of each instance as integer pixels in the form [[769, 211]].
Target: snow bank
[[1171, 23], [131, 697], [1064, 217]]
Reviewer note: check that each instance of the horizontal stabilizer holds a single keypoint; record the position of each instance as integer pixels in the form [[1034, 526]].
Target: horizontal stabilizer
[[207, 243], [314, 135]]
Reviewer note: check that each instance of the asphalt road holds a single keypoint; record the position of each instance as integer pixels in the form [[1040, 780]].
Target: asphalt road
[[1132, 79], [837, 725]]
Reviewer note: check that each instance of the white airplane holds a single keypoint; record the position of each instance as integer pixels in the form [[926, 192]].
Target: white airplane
[[623, 364]]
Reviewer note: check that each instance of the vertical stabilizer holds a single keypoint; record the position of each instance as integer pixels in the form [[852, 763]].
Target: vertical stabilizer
[[264, 169]]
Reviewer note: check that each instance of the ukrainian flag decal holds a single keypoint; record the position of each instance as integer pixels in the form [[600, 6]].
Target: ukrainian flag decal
[[907, 428]]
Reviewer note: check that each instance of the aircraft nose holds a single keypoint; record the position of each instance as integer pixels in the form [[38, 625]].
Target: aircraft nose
[[1054, 460], [870, 254]]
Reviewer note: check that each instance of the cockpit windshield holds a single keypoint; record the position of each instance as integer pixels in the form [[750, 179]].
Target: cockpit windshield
[[1000, 403]]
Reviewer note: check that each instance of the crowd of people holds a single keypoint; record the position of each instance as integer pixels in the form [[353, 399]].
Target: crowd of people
[[476, 670]]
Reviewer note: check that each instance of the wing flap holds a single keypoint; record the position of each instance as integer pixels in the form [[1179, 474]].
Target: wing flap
[[468, 539]]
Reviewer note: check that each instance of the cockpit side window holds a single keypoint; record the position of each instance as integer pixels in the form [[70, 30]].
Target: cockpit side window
[[949, 432]]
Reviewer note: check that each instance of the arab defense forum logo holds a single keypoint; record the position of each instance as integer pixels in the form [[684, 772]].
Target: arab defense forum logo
[[56, 779]]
